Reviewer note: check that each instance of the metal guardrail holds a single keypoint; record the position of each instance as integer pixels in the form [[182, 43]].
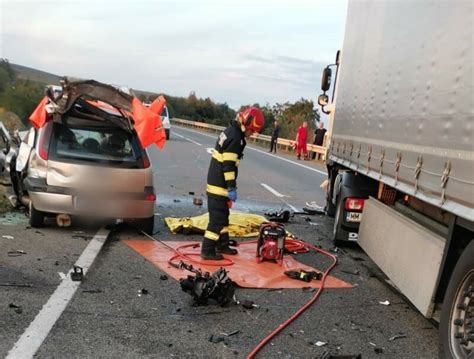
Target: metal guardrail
[[282, 143]]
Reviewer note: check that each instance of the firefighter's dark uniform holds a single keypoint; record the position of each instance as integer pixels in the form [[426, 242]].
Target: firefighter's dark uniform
[[222, 176]]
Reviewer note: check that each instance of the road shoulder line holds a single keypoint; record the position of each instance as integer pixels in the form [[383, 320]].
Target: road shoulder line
[[33, 337]]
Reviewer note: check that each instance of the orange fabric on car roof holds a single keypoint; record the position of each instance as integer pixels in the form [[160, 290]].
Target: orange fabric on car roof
[[245, 271]]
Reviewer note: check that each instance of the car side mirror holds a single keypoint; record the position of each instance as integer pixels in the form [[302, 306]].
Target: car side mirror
[[326, 79], [323, 100]]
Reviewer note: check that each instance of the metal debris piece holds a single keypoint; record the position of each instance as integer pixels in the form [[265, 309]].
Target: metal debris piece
[[320, 343], [216, 339], [16, 285], [231, 333], [385, 303], [248, 304], [16, 253], [398, 336], [92, 291], [8, 237]]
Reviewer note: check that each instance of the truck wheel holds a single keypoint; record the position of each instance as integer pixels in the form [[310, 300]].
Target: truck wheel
[[457, 315], [336, 232], [36, 217]]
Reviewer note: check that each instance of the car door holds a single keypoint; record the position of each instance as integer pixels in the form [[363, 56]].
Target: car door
[[25, 149]]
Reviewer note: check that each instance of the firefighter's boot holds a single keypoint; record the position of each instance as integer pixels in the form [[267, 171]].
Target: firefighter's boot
[[208, 250], [223, 245]]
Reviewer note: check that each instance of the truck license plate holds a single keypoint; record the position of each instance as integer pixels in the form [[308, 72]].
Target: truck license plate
[[353, 217]]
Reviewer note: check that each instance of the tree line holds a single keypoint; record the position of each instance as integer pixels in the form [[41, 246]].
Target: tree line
[[289, 115], [18, 98]]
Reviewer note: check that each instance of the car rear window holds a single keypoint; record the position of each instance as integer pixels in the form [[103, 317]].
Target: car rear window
[[103, 145]]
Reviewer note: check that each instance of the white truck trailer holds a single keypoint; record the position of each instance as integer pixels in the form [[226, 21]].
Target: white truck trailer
[[401, 153]]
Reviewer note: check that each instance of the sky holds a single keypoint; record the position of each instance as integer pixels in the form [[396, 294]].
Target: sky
[[238, 52]]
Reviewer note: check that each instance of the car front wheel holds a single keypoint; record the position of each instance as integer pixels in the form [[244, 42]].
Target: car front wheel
[[36, 217]]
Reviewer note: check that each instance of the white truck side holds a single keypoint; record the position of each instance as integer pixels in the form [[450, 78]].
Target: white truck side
[[401, 153]]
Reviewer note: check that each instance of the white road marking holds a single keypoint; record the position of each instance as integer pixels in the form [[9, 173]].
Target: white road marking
[[31, 340], [187, 139], [272, 190], [265, 153], [196, 143], [279, 195], [291, 206]]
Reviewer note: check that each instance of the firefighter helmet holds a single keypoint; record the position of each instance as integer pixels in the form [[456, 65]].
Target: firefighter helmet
[[252, 119]]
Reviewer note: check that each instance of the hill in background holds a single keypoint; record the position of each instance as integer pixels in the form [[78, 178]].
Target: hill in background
[[27, 73]]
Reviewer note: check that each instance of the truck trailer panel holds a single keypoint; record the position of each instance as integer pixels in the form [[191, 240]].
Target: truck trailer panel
[[405, 109]]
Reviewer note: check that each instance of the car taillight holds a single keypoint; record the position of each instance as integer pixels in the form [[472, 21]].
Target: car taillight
[[43, 145], [354, 204], [146, 160], [150, 197]]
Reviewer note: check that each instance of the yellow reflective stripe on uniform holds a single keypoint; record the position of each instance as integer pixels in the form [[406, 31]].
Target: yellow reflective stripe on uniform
[[211, 235], [220, 191], [237, 163], [230, 156], [225, 230], [229, 176], [217, 156]]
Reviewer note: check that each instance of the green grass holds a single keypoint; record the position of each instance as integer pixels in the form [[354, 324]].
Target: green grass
[[5, 205]]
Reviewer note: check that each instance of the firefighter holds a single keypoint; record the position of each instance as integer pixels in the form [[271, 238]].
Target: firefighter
[[221, 181]]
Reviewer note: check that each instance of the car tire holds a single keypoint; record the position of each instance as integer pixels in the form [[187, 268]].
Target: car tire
[[36, 217], [460, 291], [146, 225], [167, 132]]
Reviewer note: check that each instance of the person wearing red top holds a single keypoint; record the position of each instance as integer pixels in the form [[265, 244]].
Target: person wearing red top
[[301, 138]]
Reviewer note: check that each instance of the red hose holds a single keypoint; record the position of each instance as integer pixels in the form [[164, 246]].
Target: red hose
[[303, 308], [291, 245]]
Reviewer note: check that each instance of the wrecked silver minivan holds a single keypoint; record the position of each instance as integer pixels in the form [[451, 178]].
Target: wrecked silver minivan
[[87, 160]]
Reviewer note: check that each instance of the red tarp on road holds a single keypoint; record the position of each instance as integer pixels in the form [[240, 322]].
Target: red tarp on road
[[245, 271]]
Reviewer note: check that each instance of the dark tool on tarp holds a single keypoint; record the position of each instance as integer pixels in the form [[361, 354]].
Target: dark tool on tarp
[[77, 274], [202, 287], [304, 275], [282, 217], [271, 242]]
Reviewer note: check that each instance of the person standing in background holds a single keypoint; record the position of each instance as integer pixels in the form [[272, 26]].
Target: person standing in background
[[301, 139], [319, 137], [274, 139]]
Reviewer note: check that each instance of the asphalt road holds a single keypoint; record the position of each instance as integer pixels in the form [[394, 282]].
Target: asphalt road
[[108, 317]]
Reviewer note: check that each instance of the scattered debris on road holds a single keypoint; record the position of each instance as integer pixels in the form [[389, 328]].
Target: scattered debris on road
[[163, 277], [77, 274], [385, 302], [398, 336], [231, 333], [16, 253], [18, 309], [8, 237], [197, 201], [320, 343]]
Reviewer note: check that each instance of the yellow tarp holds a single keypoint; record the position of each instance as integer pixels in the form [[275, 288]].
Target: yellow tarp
[[240, 224]]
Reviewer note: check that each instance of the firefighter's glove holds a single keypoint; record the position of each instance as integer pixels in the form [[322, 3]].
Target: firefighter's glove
[[232, 194]]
